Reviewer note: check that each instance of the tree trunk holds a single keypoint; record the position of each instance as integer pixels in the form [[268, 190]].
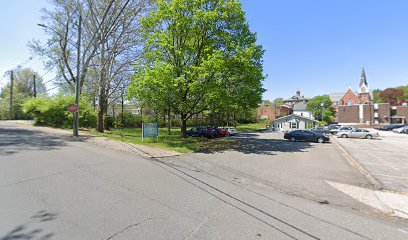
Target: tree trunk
[[169, 121], [235, 122], [183, 126], [105, 116]]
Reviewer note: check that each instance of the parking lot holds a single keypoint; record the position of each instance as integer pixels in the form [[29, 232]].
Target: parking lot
[[386, 158]]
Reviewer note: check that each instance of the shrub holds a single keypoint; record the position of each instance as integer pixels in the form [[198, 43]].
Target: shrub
[[52, 111], [128, 120]]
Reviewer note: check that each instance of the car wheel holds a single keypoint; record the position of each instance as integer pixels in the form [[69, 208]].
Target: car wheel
[[293, 139], [320, 140], [344, 136], [369, 136]]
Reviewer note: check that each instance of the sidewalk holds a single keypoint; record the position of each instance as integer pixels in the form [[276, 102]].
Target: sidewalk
[[137, 149]]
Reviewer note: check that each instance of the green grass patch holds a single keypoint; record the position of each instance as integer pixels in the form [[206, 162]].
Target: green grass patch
[[175, 142], [253, 127], [171, 142]]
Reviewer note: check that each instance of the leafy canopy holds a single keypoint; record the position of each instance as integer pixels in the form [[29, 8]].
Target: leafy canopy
[[321, 105], [199, 55]]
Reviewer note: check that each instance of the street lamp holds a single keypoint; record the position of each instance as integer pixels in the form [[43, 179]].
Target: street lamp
[[322, 105]]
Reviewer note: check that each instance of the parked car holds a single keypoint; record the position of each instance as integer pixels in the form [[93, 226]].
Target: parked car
[[211, 132], [231, 131], [334, 126], [196, 132], [342, 129], [399, 130], [358, 133], [223, 132], [389, 127], [306, 135], [405, 131], [322, 130]]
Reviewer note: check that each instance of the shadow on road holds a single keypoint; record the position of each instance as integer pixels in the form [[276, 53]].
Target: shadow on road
[[14, 140], [29, 231], [252, 145]]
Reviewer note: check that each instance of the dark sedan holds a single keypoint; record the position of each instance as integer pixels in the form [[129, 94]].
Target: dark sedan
[[305, 135], [390, 127]]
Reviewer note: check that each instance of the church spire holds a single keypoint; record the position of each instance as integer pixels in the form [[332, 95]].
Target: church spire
[[363, 79]]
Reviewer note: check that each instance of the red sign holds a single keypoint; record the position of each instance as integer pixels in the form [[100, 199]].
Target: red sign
[[72, 108]]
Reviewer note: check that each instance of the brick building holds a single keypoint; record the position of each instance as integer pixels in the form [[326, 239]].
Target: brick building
[[271, 111], [381, 113]]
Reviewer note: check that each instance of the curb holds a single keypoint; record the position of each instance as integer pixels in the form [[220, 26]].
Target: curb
[[353, 162]]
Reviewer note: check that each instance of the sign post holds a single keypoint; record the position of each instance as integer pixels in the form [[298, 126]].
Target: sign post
[[73, 108], [150, 130]]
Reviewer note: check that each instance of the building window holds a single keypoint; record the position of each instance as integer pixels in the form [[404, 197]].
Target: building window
[[294, 125], [350, 102]]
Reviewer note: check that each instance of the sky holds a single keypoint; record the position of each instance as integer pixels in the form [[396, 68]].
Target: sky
[[315, 46]]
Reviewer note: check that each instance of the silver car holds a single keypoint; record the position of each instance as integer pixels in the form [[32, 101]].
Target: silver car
[[358, 133], [342, 129]]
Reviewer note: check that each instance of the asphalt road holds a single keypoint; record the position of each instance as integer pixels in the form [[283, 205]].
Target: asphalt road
[[386, 158], [53, 187]]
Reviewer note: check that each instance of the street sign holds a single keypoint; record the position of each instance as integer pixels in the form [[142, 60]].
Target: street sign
[[150, 130], [72, 108]]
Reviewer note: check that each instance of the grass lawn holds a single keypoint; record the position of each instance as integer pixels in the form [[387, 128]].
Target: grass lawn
[[174, 141]]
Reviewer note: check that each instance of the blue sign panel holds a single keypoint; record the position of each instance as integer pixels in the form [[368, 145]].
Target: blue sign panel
[[150, 130]]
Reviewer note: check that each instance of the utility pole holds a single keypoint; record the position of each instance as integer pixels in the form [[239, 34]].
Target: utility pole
[[35, 86], [78, 85], [11, 94]]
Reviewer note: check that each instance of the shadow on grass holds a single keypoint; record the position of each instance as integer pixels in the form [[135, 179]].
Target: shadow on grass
[[30, 230], [248, 143]]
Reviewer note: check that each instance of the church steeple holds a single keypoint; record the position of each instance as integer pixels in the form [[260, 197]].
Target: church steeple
[[363, 86], [363, 79]]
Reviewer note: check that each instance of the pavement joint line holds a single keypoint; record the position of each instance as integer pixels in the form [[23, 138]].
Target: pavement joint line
[[353, 162]]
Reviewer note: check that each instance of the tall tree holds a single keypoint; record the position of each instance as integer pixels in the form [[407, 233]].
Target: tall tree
[[109, 39], [321, 108], [23, 89], [392, 96], [199, 55]]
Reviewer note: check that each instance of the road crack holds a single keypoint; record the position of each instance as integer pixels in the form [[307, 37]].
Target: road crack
[[131, 226]]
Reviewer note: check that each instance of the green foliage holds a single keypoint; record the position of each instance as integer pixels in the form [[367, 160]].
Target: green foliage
[[17, 111], [199, 55], [404, 89], [128, 120], [322, 123], [52, 111], [376, 96], [23, 89], [278, 101], [321, 105]]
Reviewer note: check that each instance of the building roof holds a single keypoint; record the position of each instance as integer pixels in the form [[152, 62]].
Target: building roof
[[336, 97], [299, 106], [296, 98], [294, 116]]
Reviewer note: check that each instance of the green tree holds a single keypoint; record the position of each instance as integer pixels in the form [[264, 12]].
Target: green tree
[[321, 108], [199, 55], [376, 96], [23, 89], [278, 101], [404, 89]]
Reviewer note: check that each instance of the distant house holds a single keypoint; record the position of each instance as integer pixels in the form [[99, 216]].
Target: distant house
[[298, 104], [292, 122]]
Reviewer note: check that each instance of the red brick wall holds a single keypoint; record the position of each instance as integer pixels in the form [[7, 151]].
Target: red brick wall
[[272, 112], [384, 113], [350, 95], [348, 114], [403, 111]]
